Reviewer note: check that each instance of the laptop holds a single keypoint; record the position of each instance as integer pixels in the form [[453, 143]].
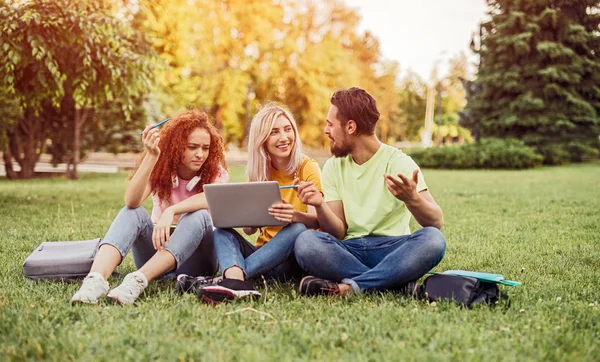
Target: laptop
[[241, 204]]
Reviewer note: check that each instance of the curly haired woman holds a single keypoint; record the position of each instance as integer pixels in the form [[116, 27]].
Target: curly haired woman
[[177, 161]]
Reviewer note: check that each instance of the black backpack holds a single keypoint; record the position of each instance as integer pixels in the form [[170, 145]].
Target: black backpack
[[465, 291]]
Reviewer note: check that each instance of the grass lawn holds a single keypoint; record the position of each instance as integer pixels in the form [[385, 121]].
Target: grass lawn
[[540, 227]]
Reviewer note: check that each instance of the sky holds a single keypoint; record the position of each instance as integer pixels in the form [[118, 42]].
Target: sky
[[419, 33]]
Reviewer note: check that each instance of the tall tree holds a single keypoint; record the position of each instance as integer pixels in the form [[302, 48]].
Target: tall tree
[[61, 60], [454, 93], [412, 99], [539, 75]]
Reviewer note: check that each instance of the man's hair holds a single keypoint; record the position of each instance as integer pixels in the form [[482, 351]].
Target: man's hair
[[357, 105]]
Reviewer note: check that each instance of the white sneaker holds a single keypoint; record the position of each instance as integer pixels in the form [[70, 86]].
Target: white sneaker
[[93, 287], [133, 285]]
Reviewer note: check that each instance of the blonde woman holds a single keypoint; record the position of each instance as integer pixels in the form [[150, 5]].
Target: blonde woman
[[274, 154]]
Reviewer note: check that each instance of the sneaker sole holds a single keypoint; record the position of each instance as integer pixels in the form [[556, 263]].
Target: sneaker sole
[[116, 300], [81, 301], [215, 294]]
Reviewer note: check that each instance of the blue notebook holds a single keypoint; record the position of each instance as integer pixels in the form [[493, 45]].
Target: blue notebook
[[486, 277]]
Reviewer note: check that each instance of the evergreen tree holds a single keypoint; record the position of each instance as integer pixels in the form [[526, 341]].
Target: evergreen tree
[[539, 76]]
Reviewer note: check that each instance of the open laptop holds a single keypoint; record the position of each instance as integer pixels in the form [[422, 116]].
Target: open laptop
[[242, 204]]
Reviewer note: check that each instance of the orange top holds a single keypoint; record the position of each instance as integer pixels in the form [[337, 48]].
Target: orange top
[[309, 171]]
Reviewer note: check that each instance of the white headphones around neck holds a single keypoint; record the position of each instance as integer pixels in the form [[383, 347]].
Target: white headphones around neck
[[193, 182], [190, 186]]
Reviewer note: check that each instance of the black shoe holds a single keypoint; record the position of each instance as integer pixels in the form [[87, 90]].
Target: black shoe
[[189, 284], [316, 286], [226, 290]]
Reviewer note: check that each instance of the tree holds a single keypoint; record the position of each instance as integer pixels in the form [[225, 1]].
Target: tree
[[454, 99], [538, 76], [242, 54], [10, 113], [412, 99], [213, 64], [62, 60]]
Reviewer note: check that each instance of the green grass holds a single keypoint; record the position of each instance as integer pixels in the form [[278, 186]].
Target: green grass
[[540, 227]]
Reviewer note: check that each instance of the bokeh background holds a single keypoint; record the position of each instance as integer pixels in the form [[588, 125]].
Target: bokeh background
[[471, 83]]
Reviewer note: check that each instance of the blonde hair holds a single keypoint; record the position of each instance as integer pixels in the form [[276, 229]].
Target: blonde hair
[[260, 129]]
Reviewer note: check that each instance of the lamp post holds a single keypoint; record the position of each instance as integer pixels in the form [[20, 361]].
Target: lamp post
[[426, 135], [428, 127], [438, 118]]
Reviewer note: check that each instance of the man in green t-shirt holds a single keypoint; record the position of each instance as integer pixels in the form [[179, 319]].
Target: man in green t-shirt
[[371, 190]]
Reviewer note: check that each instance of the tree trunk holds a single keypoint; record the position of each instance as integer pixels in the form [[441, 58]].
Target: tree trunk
[[26, 143], [80, 117], [8, 166]]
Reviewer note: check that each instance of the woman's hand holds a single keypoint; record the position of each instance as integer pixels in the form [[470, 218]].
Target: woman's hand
[[150, 140], [162, 229], [282, 211]]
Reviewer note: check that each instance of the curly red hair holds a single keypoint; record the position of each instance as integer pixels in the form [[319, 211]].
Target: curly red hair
[[173, 141]]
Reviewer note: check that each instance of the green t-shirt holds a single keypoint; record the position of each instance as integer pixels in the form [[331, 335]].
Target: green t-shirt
[[369, 207]]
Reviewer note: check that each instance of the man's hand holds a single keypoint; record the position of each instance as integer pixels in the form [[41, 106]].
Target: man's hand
[[309, 194], [282, 211], [403, 188], [162, 229]]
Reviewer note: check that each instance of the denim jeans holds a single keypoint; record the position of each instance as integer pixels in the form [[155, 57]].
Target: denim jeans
[[191, 244], [372, 262], [274, 260]]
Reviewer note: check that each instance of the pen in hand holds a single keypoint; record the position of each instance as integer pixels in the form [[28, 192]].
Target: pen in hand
[[157, 125], [288, 187]]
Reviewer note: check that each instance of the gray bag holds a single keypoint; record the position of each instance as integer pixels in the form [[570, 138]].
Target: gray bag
[[61, 260]]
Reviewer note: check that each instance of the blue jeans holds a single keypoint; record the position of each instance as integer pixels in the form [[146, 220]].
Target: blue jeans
[[191, 244], [274, 260], [372, 262]]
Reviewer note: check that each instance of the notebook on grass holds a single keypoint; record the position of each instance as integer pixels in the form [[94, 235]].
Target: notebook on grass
[[486, 277]]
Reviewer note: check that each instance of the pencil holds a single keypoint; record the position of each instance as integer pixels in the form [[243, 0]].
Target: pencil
[[157, 125]]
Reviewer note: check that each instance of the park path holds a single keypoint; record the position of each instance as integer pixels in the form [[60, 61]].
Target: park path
[[105, 162]]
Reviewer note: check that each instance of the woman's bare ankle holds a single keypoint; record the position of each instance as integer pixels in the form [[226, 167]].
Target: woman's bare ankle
[[235, 272]]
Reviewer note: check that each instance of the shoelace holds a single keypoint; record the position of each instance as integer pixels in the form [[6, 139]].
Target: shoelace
[[331, 290], [90, 284], [136, 287], [204, 281], [207, 281]]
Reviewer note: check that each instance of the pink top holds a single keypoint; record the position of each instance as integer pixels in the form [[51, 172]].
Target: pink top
[[179, 194]]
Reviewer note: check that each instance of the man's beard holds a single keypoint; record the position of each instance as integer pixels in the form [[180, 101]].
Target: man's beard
[[339, 151]]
